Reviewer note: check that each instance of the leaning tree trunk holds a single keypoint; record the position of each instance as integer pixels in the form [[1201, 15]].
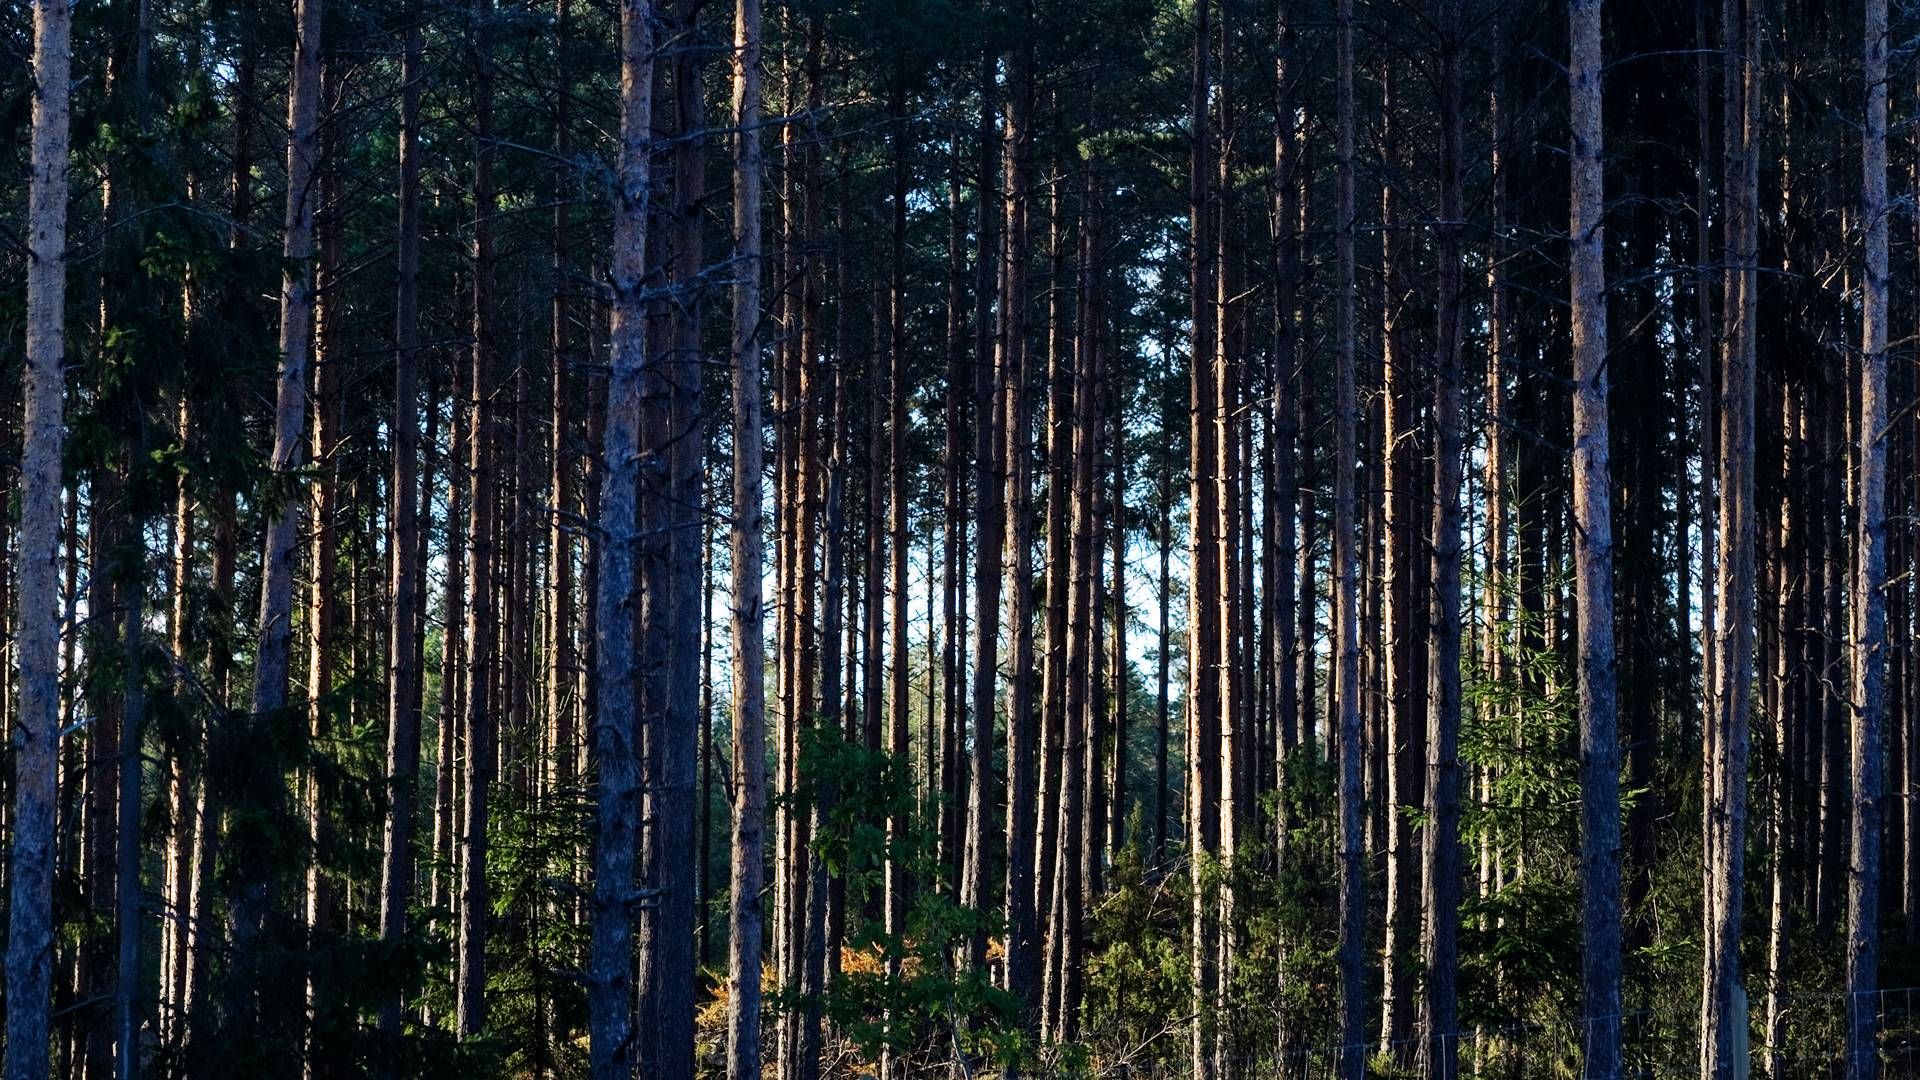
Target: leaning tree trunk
[[1593, 559], [36, 731], [616, 733], [1870, 568]]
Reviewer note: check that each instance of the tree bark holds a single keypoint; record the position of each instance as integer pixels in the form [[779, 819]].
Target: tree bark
[[251, 891], [989, 390], [36, 730], [616, 729], [1024, 945], [1346, 575], [1440, 867], [478, 721], [403, 672], [1203, 703], [1733, 660], [749, 722], [1868, 608]]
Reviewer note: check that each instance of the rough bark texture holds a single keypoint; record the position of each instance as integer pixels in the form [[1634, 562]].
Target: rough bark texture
[[1593, 560], [36, 731], [290, 416], [1728, 721], [749, 721], [1440, 867], [1870, 563], [1023, 943], [616, 731]]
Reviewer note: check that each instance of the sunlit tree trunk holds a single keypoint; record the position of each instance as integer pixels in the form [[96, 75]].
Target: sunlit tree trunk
[[289, 427]]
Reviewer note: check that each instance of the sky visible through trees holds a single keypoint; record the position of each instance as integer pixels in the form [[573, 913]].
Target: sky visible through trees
[[983, 538]]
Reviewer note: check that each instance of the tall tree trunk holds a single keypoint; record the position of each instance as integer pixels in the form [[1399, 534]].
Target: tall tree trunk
[[403, 686], [562, 701], [1120, 665], [749, 723], [1283, 482], [1053, 687], [1399, 509], [1868, 606], [1440, 867], [1162, 802], [672, 454], [327, 524], [1024, 946], [36, 730], [251, 893], [989, 391], [453, 682], [616, 729], [1733, 662], [899, 741], [1346, 575], [952, 778], [478, 721], [1203, 704]]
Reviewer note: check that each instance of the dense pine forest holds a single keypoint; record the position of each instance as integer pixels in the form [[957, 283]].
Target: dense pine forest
[[973, 538]]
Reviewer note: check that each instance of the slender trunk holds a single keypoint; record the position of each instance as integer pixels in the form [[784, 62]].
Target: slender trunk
[[1346, 575], [478, 721], [562, 702], [989, 391], [899, 745], [1733, 663], [1121, 666], [1440, 868], [403, 687], [1024, 943], [1399, 419], [1203, 608], [251, 892], [324, 615], [1868, 609], [453, 683], [181, 780], [1283, 484], [1053, 687], [954, 538], [749, 724], [1162, 803]]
